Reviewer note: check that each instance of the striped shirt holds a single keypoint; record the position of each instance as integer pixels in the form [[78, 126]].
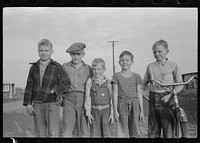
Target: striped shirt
[[165, 72], [77, 76], [127, 86]]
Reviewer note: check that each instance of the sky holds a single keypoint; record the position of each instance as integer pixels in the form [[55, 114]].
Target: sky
[[136, 29]]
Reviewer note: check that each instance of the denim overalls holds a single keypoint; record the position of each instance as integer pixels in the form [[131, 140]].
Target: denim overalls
[[100, 103]]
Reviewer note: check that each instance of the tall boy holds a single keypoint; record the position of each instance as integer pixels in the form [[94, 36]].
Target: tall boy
[[98, 101], [160, 98], [46, 82], [73, 103]]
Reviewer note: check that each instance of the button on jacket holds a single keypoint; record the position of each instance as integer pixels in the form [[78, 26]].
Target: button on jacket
[[54, 79], [78, 77]]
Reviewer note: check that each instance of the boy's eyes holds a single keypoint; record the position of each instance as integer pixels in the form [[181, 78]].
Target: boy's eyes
[[73, 54], [124, 60]]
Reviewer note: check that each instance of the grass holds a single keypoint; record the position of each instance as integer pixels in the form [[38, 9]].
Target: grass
[[18, 97]]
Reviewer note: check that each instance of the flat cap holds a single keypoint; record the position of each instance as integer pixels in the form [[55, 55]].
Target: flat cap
[[77, 47]]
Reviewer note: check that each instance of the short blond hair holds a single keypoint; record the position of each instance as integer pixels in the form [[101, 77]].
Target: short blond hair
[[45, 42], [97, 61], [160, 42]]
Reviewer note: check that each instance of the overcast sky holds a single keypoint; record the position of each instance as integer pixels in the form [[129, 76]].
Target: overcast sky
[[136, 29]]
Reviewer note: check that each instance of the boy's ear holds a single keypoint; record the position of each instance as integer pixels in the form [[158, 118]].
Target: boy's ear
[[167, 51], [84, 54], [52, 51]]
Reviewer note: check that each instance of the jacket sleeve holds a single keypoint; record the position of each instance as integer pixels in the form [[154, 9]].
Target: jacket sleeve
[[64, 82], [28, 93]]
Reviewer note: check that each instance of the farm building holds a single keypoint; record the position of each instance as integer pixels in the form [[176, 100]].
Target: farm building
[[8, 89], [194, 83]]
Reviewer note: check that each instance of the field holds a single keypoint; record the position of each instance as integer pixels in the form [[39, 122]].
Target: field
[[19, 124]]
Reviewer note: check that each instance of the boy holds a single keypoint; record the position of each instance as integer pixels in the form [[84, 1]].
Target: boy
[[98, 101], [46, 82], [160, 98], [73, 103], [128, 101]]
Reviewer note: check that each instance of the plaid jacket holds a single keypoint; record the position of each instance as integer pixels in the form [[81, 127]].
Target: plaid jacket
[[55, 78]]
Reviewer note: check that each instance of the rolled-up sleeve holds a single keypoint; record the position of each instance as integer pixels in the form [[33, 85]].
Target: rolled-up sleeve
[[146, 79], [111, 93], [87, 104], [177, 78]]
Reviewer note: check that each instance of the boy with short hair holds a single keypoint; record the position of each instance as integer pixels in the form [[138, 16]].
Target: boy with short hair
[[98, 101], [128, 101], [74, 118], [45, 84], [160, 99]]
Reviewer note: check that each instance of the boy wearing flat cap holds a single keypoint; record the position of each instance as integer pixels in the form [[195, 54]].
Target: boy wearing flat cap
[[73, 103]]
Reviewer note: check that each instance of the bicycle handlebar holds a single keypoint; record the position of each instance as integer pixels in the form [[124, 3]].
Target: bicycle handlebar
[[175, 84]]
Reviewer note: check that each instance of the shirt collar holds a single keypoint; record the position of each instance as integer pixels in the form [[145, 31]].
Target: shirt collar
[[45, 63], [103, 79], [71, 64], [163, 62]]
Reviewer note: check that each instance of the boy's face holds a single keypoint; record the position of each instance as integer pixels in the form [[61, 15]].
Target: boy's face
[[125, 62], [98, 70], [160, 52], [77, 57], [45, 52]]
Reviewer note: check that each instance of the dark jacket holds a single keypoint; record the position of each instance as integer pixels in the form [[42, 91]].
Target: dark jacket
[[55, 78]]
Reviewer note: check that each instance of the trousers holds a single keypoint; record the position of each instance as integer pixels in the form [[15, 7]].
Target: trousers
[[74, 119], [160, 117], [101, 127], [46, 119], [128, 125]]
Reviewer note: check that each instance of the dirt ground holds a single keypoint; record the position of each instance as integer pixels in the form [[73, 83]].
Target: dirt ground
[[17, 123]]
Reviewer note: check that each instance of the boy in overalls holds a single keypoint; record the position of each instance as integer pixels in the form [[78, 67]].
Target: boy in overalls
[[98, 101]]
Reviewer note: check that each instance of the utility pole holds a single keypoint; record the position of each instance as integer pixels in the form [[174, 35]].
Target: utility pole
[[113, 45]]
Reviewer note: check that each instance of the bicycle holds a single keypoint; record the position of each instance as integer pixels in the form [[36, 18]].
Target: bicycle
[[181, 127]]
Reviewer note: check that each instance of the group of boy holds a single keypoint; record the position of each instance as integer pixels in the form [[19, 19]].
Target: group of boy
[[91, 102]]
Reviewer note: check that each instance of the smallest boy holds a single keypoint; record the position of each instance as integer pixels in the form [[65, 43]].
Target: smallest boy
[[98, 101], [46, 82]]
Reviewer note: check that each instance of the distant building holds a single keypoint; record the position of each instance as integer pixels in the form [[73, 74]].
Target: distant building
[[8, 89], [194, 83]]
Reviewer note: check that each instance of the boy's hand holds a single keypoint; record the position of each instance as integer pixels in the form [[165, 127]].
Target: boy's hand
[[60, 100], [111, 119], [117, 116], [166, 98], [30, 110], [141, 117], [90, 118]]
